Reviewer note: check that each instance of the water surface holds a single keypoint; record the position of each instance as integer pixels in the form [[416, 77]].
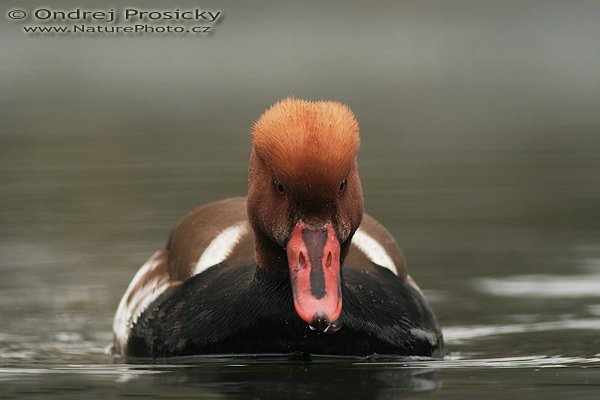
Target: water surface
[[480, 143], [518, 301]]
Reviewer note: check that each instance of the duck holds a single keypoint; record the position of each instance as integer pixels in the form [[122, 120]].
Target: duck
[[294, 268]]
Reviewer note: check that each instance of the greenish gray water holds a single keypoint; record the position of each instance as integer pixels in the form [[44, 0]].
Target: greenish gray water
[[517, 294], [481, 136]]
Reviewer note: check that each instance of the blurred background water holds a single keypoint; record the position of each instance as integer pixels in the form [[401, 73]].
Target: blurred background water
[[481, 138]]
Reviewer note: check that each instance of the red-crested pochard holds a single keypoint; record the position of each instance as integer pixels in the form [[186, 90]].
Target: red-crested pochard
[[296, 267]]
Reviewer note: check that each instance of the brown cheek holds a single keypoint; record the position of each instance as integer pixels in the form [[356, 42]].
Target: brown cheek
[[276, 217], [271, 212], [346, 221], [258, 203], [351, 208]]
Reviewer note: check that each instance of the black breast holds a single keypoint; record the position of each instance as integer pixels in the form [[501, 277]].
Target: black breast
[[225, 310]]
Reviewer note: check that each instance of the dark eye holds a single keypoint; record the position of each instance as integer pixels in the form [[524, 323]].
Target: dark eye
[[343, 186], [279, 187]]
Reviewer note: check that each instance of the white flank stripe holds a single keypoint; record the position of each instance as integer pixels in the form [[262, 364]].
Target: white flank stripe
[[145, 296], [221, 246], [430, 336], [129, 311], [373, 250]]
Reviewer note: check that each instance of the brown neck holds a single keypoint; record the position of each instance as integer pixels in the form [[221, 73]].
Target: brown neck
[[345, 247], [269, 256]]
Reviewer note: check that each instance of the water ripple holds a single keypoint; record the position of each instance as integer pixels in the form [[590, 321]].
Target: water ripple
[[462, 334], [542, 286], [533, 361]]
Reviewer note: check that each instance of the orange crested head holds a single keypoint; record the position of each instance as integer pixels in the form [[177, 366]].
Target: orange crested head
[[305, 200], [304, 141]]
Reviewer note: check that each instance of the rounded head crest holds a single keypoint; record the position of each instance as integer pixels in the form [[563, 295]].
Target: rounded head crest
[[299, 137]]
